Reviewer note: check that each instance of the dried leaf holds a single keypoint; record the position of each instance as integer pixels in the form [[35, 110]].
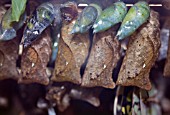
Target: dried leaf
[[103, 58], [72, 52], [141, 54], [167, 63], [56, 95], [61, 95], [35, 59], [89, 95], [8, 59]]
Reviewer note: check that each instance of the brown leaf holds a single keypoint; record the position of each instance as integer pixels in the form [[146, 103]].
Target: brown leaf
[[73, 50], [86, 94], [8, 59], [58, 95], [8, 55], [103, 58], [141, 54], [167, 63], [35, 59], [62, 95]]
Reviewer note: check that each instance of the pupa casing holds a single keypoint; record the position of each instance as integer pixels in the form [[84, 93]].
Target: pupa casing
[[136, 16], [110, 16], [42, 17]]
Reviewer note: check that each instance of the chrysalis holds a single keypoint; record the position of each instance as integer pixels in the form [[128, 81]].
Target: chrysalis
[[141, 54], [86, 18], [136, 16], [8, 59], [40, 20], [34, 61], [8, 28], [110, 16], [103, 58], [72, 53]]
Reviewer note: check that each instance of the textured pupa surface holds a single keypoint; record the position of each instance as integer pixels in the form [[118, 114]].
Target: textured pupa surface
[[141, 55]]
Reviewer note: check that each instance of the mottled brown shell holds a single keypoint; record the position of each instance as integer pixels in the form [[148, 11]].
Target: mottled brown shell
[[141, 55], [72, 53], [8, 59], [103, 58], [34, 60]]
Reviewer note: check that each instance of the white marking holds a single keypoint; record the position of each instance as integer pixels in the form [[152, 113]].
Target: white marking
[[131, 23], [100, 22], [58, 35], [20, 49], [55, 44], [95, 25], [62, 87], [119, 32], [144, 65], [48, 71], [35, 32], [51, 111], [83, 5], [155, 5], [73, 22], [104, 66], [82, 26], [66, 63], [158, 5], [19, 70], [127, 27], [33, 64]]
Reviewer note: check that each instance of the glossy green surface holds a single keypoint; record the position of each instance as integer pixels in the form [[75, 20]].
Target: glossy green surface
[[86, 18], [110, 16], [8, 28], [136, 16]]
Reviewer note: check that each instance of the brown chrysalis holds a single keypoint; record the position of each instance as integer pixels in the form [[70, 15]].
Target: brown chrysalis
[[103, 58], [141, 54], [72, 53], [8, 59], [8, 55], [34, 60]]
